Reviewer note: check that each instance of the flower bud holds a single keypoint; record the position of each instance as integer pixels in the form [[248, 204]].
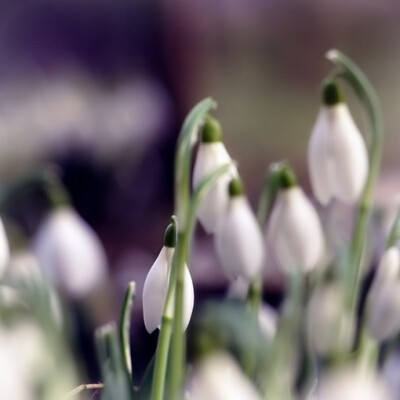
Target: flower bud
[[218, 377], [238, 239], [330, 329], [295, 231], [155, 287], [337, 155], [211, 155], [351, 383], [70, 252], [383, 318]]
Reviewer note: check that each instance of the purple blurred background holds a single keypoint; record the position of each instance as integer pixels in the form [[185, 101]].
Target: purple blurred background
[[101, 89]]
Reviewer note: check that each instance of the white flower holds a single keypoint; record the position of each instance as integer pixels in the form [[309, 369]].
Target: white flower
[[351, 383], [238, 239], [218, 377], [295, 231], [383, 320], [329, 328], [211, 155], [337, 155], [70, 252], [4, 249], [156, 287]]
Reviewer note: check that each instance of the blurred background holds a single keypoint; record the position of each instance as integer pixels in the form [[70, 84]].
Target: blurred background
[[100, 89]]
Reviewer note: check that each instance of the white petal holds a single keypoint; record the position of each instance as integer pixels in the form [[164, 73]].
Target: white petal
[[4, 249], [329, 329], [188, 300], [348, 154], [210, 156], [318, 162], [155, 290], [218, 377], [295, 231], [239, 240], [70, 252], [351, 383]]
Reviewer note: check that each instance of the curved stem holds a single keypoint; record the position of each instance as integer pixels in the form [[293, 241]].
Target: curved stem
[[366, 93], [186, 140], [125, 325], [394, 234]]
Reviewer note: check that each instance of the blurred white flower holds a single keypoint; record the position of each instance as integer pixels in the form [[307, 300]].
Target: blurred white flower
[[23, 358], [218, 377], [350, 383], [295, 231], [383, 318], [4, 249], [337, 155], [211, 155], [329, 328], [238, 238], [156, 287], [70, 252]]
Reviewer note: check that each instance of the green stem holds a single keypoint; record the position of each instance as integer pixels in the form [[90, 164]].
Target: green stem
[[365, 92], [276, 384], [181, 255], [183, 157], [267, 199], [164, 337], [125, 325], [394, 232]]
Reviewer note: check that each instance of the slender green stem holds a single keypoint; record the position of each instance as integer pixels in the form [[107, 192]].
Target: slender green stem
[[366, 93], [183, 157], [181, 254], [164, 337], [394, 232], [125, 325], [267, 199], [277, 383]]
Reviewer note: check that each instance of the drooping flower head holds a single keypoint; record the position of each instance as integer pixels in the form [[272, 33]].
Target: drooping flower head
[[238, 239], [383, 318], [155, 287], [211, 155], [337, 154], [295, 231], [70, 252]]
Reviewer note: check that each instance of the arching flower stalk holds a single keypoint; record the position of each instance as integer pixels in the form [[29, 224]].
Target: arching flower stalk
[[186, 205]]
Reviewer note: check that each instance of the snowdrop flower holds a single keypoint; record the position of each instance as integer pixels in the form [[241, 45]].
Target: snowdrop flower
[[70, 252], [351, 383], [4, 249], [329, 328], [238, 239], [337, 155], [295, 231], [156, 285], [218, 377], [211, 155], [383, 321]]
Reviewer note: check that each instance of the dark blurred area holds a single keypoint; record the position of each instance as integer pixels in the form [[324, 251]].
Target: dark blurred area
[[100, 89]]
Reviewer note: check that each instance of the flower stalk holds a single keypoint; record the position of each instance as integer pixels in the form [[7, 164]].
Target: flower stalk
[[347, 69]]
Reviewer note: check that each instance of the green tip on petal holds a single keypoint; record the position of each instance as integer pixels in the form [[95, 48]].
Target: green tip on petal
[[236, 187], [170, 236], [331, 94], [287, 178], [212, 131]]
